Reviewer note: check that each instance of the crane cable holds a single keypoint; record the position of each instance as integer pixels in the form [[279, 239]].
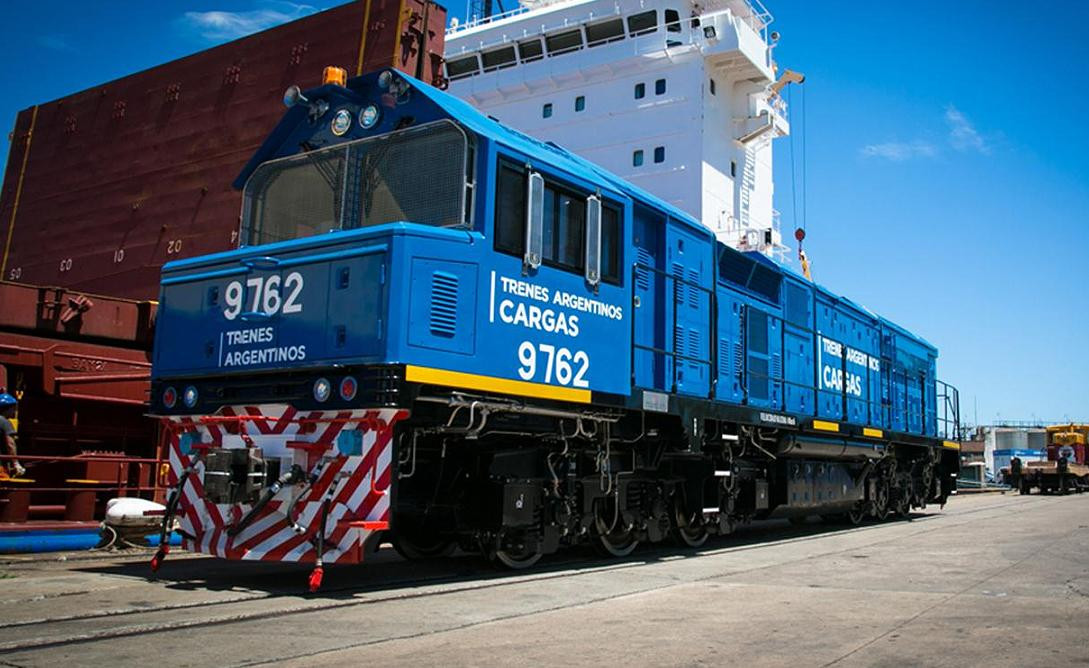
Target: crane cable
[[799, 232]]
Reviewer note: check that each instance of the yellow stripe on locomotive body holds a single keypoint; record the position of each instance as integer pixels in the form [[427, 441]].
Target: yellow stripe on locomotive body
[[872, 433], [472, 381], [951, 444]]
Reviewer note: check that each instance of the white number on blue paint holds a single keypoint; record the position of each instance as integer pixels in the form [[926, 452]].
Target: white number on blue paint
[[560, 363], [264, 294]]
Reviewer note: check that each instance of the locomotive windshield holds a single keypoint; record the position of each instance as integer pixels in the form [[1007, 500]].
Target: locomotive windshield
[[417, 175]]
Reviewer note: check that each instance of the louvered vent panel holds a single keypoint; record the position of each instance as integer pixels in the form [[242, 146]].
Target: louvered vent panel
[[642, 274], [678, 284], [724, 365], [693, 292], [694, 348], [444, 304], [739, 356], [679, 341], [776, 366]]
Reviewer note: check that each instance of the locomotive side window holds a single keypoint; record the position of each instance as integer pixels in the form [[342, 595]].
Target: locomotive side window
[[610, 244], [510, 210], [564, 224], [564, 229]]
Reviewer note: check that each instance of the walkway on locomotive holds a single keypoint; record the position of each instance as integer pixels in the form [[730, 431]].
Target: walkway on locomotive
[[765, 347]]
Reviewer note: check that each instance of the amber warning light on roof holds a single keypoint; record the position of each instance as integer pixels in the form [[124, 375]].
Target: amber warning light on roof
[[334, 75]]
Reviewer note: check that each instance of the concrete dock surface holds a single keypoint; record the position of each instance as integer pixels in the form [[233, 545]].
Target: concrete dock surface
[[995, 580]]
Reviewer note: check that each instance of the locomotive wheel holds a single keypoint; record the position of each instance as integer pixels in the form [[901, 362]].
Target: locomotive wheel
[[610, 538], [797, 520], [687, 532], [881, 502], [902, 508], [416, 547], [516, 559]]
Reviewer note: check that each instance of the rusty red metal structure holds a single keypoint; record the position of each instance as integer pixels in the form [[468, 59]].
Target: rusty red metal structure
[[104, 186]]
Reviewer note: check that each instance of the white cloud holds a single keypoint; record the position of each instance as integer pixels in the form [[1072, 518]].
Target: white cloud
[[220, 25], [900, 151], [963, 136]]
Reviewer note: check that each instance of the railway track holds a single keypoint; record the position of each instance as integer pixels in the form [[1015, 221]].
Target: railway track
[[454, 576]]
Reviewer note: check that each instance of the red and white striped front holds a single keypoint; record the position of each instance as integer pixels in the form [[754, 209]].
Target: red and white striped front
[[357, 483]]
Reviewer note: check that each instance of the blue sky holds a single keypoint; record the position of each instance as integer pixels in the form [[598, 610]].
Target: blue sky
[[946, 161]]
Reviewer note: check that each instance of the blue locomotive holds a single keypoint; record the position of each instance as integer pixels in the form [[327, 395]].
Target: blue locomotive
[[445, 332]]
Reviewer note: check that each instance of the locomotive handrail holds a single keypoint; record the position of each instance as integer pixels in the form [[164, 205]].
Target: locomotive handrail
[[335, 255], [711, 361], [877, 406], [263, 262], [204, 275]]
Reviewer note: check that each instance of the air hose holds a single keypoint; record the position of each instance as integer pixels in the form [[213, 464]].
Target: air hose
[[168, 515], [318, 541], [310, 480], [293, 475], [318, 573]]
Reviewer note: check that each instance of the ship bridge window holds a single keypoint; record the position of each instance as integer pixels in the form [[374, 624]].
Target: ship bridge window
[[604, 32], [659, 154], [673, 20], [416, 175], [530, 50], [643, 23], [640, 91], [459, 68], [660, 87], [563, 42], [564, 233], [498, 58]]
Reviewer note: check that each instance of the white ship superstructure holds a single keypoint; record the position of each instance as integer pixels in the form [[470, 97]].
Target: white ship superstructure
[[675, 96]]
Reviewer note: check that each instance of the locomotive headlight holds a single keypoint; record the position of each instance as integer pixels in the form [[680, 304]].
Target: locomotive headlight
[[190, 396], [170, 397], [341, 123], [322, 389], [348, 388], [368, 116], [384, 78]]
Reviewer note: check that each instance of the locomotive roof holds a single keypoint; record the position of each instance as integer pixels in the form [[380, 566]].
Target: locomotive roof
[[361, 89]]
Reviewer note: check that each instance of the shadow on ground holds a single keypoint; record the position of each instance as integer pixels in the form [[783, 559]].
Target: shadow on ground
[[386, 572]]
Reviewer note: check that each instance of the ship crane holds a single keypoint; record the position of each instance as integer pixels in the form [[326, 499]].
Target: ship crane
[[788, 77]]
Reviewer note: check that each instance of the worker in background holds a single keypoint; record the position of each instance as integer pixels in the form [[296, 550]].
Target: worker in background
[[1064, 467], [1015, 474], [7, 414]]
